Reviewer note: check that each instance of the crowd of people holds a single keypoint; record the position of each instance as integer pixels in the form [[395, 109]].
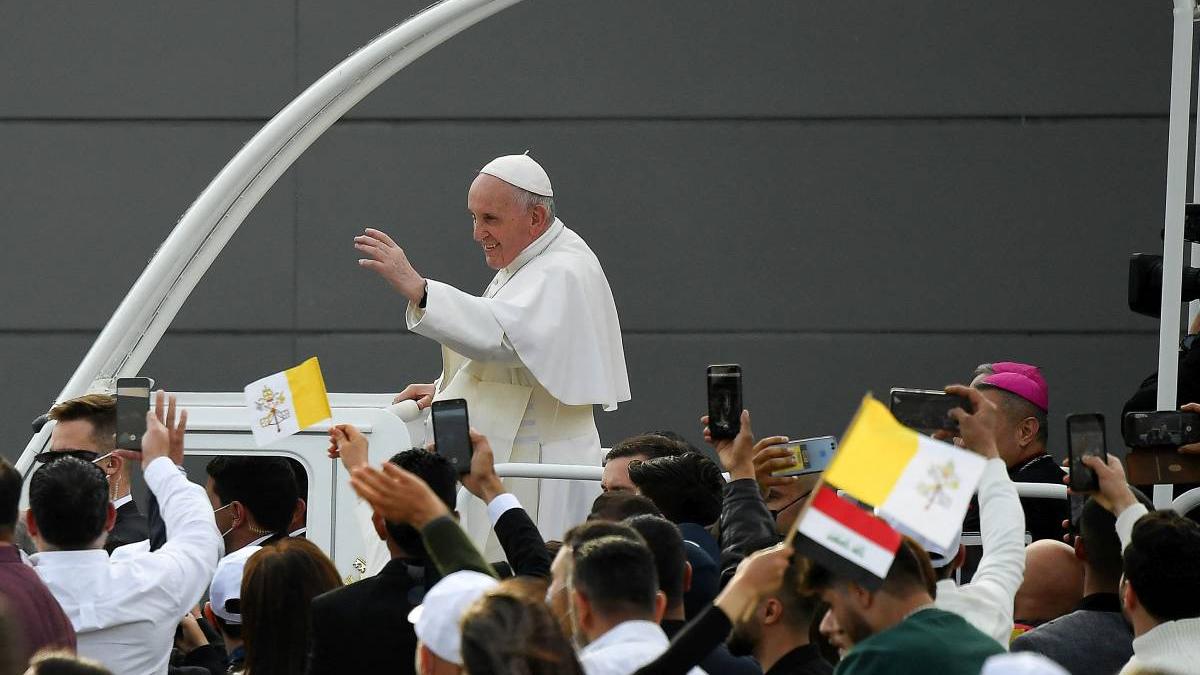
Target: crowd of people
[[684, 565]]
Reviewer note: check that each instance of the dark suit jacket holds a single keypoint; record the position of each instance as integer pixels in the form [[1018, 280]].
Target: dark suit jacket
[[523, 544], [363, 627], [130, 526]]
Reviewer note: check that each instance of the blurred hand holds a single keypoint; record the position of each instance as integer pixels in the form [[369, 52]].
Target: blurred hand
[[736, 454], [387, 259], [349, 444], [1191, 448], [757, 575], [482, 481], [421, 393], [175, 431], [1114, 493], [192, 637], [769, 457], [397, 495], [977, 428]]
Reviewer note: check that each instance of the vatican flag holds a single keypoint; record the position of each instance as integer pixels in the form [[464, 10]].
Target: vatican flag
[[282, 404], [921, 483]]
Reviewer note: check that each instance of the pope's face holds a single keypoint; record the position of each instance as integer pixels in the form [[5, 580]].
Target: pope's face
[[502, 225]]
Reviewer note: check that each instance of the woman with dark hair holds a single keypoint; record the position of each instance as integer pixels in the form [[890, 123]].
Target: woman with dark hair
[[278, 585], [510, 631]]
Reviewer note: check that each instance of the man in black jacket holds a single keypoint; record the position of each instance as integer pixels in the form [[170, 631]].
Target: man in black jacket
[[86, 427], [364, 627], [674, 576]]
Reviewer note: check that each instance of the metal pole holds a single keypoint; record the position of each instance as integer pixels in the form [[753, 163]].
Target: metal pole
[[1177, 146], [134, 330]]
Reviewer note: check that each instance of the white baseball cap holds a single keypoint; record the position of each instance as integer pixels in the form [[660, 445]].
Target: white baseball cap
[[227, 584], [437, 619], [521, 171]]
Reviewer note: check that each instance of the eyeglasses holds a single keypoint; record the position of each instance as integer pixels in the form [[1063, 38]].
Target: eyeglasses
[[48, 456]]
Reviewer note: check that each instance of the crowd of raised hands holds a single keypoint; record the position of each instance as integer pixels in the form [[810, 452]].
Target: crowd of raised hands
[[686, 565]]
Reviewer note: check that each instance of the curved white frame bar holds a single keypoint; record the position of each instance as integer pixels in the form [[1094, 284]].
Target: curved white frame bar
[[155, 298]]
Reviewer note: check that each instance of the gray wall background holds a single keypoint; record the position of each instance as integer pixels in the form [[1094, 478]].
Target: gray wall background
[[839, 201]]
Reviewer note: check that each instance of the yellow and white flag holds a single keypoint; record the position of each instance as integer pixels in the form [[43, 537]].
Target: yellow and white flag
[[922, 483], [282, 404]]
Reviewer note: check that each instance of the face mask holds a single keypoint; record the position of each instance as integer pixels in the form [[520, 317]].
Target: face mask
[[775, 512], [231, 527]]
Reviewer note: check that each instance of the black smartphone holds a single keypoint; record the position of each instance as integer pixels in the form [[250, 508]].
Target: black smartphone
[[133, 402], [1085, 436], [926, 410], [1162, 429], [724, 400], [452, 433]]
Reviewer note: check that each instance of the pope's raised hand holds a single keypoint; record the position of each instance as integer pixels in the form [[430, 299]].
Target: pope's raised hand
[[387, 259]]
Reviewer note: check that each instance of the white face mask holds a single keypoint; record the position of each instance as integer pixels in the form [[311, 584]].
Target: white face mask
[[231, 527]]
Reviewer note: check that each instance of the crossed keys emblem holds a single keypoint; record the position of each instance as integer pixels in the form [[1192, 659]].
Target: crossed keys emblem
[[271, 402], [943, 480]]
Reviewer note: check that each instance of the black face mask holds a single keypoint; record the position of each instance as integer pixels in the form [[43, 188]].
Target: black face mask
[[775, 512]]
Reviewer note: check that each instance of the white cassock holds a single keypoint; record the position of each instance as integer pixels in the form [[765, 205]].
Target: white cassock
[[531, 357]]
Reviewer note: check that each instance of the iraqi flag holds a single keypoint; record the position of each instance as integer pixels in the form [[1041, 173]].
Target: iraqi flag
[[851, 542]]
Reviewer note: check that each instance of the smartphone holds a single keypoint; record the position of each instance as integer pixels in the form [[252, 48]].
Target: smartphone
[[810, 455], [452, 433], [1085, 436], [724, 400], [133, 402], [926, 410], [1162, 429]]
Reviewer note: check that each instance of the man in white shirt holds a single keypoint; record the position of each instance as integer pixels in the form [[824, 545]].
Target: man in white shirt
[[1160, 588], [618, 607], [534, 353], [124, 610], [987, 602]]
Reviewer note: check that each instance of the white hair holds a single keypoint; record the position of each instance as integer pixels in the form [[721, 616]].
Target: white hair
[[529, 200]]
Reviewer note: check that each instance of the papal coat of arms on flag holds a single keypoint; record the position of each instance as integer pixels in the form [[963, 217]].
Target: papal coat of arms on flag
[[282, 404], [921, 484]]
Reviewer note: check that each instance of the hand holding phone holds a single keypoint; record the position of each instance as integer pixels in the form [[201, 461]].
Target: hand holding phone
[[926, 410], [452, 433], [724, 401], [1085, 437], [810, 455]]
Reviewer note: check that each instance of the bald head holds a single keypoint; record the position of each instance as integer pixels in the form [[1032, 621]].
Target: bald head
[[1053, 582]]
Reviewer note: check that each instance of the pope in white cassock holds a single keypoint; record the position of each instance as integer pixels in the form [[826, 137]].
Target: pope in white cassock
[[534, 353]]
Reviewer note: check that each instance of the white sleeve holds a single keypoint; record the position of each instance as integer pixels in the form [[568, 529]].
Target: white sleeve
[[503, 503], [1127, 519], [193, 543], [1002, 529], [462, 322]]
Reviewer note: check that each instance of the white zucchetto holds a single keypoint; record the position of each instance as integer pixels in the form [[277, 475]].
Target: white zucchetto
[[521, 171]]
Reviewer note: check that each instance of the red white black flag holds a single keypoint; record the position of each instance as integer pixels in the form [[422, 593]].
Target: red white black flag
[[851, 542]]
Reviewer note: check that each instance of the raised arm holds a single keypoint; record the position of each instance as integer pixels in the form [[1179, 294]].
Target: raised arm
[[186, 562]]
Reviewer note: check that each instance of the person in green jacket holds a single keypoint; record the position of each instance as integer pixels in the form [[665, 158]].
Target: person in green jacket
[[896, 629]]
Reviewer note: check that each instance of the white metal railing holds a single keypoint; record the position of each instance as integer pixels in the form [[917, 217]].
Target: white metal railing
[[1182, 504]]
